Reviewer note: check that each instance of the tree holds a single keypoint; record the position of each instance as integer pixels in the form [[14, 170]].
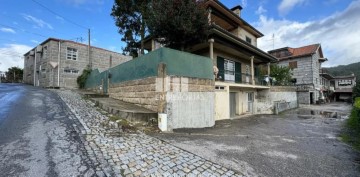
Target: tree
[[356, 90], [14, 74], [129, 18], [177, 22], [282, 74]]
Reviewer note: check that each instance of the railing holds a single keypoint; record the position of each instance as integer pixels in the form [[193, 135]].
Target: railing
[[242, 78]]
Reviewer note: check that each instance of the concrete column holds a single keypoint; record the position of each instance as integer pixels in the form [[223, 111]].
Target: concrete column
[[268, 72], [211, 47], [152, 45], [252, 70], [209, 16]]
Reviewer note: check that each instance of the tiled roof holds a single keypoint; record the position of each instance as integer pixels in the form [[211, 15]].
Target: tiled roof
[[296, 52], [306, 50]]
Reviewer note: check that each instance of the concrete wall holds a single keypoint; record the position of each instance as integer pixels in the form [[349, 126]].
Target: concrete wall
[[267, 99], [190, 109], [221, 104], [241, 33], [304, 97]]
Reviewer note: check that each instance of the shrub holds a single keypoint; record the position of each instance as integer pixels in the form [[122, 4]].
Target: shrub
[[81, 80], [352, 135], [354, 119]]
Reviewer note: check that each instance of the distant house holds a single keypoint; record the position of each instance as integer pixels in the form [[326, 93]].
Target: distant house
[[338, 88], [58, 62], [305, 63], [232, 46]]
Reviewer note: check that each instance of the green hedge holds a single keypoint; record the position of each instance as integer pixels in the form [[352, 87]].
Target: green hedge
[[352, 135], [354, 120]]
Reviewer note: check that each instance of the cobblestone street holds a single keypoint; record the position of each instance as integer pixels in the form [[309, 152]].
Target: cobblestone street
[[123, 154]]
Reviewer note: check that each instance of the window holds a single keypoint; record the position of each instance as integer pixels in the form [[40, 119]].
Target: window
[[71, 54], [219, 88], [44, 54], [293, 64], [73, 71], [248, 39], [229, 68]]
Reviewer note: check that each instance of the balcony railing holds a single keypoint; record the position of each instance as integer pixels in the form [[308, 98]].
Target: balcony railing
[[242, 78]]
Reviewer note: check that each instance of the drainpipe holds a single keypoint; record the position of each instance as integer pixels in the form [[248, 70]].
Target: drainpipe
[[58, 73], [35, 67]]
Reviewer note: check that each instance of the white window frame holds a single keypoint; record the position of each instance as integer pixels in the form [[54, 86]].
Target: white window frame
[[229, 70], [71, 53], [71, 71]]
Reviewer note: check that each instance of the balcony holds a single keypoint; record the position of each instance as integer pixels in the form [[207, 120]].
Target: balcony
[[242, 78]]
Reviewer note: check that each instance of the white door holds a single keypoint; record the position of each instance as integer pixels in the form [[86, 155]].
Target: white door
[[250, 102]]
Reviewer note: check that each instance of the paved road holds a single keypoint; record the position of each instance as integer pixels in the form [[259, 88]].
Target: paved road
[[38, 135], [302, 142]]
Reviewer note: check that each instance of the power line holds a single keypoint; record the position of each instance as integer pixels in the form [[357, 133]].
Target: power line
[[13, 55], [53, 12], [23, 30]]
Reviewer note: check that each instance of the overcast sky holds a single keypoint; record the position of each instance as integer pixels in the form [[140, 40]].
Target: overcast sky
[[334, 24]]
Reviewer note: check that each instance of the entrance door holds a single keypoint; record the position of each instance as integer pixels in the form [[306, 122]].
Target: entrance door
[[232, 104], [311, 97], [250, 102]]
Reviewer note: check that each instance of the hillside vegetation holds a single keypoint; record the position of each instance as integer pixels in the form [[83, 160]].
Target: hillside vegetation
[[345, 70]]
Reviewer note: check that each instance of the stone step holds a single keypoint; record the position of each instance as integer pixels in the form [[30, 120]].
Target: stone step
[[125, 110]]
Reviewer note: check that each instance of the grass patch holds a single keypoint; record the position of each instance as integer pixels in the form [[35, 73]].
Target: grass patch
[[351, 134]]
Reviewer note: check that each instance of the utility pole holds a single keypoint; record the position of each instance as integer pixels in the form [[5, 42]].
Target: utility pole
[[14, 77], [90, 62], [273, 39]]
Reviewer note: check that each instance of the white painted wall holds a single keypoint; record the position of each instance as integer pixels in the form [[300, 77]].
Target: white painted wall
[[190, 109]]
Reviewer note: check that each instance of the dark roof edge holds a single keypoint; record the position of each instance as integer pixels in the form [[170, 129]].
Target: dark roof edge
[[246, 23], [261, 52], [236, 7], [56, 39]]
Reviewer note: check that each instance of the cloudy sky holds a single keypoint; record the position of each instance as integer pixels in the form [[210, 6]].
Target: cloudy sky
[[334, 24]]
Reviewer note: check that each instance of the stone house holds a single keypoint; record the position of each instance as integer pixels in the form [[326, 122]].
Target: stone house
[[58, 63], [232, 46], [337, 88], [305, 63]]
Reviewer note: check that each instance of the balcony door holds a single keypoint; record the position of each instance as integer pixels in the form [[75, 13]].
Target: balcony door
[[229, 67], [229, 70]]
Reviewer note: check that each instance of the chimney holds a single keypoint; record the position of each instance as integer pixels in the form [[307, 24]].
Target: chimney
[[237, 10]]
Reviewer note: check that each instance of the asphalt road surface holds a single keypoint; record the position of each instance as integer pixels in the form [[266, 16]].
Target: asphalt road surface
[[300, 142], [38, 135]]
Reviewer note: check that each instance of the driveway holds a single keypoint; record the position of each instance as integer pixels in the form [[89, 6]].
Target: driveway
[[300, 142]]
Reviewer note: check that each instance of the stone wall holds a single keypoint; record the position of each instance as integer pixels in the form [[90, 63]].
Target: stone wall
[[150, 92], [141, 92]]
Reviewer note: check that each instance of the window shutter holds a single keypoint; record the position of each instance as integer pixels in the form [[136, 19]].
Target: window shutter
[[220, 66], [238, 72]]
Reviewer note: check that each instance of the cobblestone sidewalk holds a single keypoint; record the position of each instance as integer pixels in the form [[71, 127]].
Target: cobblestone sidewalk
[[118, 154]]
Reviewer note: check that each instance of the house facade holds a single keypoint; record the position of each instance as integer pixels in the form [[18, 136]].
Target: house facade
[[232, 47], [305, 63], [337, 88], [58, 63]]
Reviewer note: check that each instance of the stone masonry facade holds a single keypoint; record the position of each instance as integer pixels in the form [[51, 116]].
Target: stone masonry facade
[[149, 92], [47, 76]]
